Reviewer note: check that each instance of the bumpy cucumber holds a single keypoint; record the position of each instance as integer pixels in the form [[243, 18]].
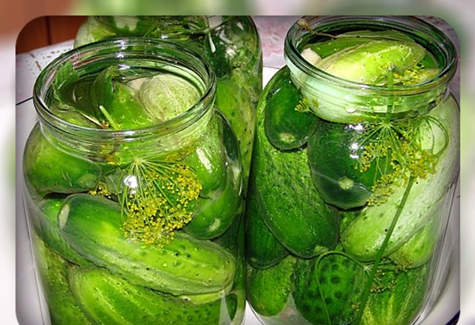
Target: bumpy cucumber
[[328, 288], [215, 215], [110, 299], [263, 250], [365, 234], [334, 151], [293, 209], [269, 289], [53, 273], [370, 63], [348, 39], [208, 159], [49, 169], [47, 215], [286, 127], [92, 225], [396, 297]]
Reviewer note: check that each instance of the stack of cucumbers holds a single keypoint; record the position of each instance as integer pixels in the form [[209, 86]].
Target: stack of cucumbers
[[136, 234], [345, 203]]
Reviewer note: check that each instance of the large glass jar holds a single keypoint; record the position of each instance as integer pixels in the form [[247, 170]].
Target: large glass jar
[[354, 174], [230, 43], [134, 189]]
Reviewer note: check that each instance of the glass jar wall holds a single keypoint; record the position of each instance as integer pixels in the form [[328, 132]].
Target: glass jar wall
[[230, 43], [353, 177], [133, 189]]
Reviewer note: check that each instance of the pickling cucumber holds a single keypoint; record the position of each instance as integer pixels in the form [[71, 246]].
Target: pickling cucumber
[[263, 250], [111, 299], [49, 169], [365, 234], [293, 209], [286, 127], [53, 274], [47, 214], [93, 227]]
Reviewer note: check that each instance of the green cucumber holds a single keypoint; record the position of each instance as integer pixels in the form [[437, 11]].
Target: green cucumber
[[93, 226], [328, 288], [263, 250], [348, 39], [286, 127], [49, 169], [53, 274], [293, 209], [48, 230], [370, 63], [215, 215], [397, 297], [208, 159], [418, 249], [365, 234], [334, 151], [269, 289], [110, 299]]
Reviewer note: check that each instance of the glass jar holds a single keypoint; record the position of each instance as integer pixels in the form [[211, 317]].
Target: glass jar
[[230, 43], [354, 174], [134, 189]]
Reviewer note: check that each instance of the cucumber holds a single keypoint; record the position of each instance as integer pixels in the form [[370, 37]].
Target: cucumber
[[110, 299], [263, 250], [370, 63], [208, 159], [348, 39], [48, 230], [334, 152], [328, 288], [397, 298], [293, 209], [418, 249], [49, 169], [93, 226], [53, 274], [286, 127], [270, 289], [365, 234], [214, 216]]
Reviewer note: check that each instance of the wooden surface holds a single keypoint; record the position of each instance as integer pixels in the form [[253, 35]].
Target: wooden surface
[[47, 30]]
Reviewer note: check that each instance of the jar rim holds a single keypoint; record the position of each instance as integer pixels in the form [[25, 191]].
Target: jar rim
[[408, 23], [117, 47]]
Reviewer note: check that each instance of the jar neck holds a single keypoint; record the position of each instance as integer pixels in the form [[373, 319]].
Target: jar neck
[[165, 137], [341, 100]]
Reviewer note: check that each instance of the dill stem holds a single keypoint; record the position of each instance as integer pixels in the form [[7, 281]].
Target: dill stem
[[109, 118], [379, 255]]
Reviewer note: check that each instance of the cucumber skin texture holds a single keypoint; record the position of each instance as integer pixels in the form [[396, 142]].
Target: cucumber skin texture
[[330, 152], [368, 63], [365, 234], [295, 213], [401, 299], [92, 225], [268, 290], [48, 230], [263, 250], [328, 288], [214, 216], [286, 128], [110, 299], [53, 272], [48, 169]]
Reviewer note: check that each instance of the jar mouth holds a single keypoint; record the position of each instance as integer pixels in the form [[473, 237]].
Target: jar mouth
[[416, 28], [138, 52]]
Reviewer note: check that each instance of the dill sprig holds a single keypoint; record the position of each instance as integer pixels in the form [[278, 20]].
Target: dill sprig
[[397, 144], [157, 196]]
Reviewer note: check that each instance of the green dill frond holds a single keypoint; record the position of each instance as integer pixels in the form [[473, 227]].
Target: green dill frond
[[157, 196], [399, 143]]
